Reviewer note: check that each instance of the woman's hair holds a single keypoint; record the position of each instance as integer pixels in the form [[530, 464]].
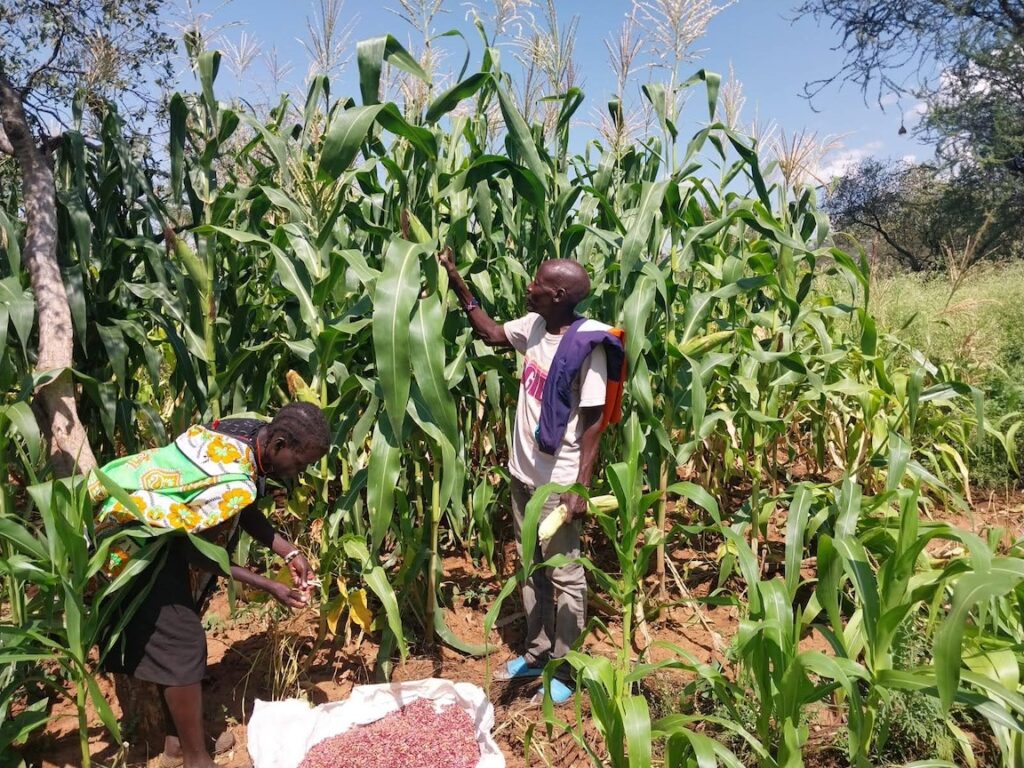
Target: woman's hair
[[302, 426]]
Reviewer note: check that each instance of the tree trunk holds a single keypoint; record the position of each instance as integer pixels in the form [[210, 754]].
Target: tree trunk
[[55, 399], [54, 402]]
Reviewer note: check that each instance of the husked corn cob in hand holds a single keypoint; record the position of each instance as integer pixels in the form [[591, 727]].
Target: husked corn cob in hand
[[559, 515]]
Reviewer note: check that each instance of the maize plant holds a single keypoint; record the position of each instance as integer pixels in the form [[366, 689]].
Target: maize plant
[[292, 255]]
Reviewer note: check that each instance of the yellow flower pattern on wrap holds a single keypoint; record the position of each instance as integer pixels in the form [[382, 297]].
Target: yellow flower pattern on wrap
[[223, 452], [202, 481], [234, 501]]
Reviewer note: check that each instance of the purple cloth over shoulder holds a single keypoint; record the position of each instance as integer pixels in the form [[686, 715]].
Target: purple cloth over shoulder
[[556, 400]]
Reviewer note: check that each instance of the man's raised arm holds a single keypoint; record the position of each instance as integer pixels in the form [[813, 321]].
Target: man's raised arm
[[486, 329]]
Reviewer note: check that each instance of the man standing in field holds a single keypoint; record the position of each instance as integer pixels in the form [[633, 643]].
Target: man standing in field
[[560, 415]]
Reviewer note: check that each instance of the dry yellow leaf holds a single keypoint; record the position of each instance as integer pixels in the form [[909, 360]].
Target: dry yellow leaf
[[334, 610], [360, 613], [284, 576]]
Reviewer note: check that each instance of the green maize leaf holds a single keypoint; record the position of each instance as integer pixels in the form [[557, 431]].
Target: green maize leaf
[[384, 468], [5, 319], [392, 120], [24, 422], [217, 555], [452, 469], [1009, 699], [855, 562], [370, 57], [117, 350], [713, 81], [495, 609], [319, 87], [999, 665], [344, 137], [639, 232], [662, 101], [208, 64], [377, 580], [394, 301], [297, 282], [21, 309], [99, 701], [636, 723], [520, 135], [699, 496], [796, 525], [238, 235], [971, 589], [848, 509], [20, 537], [449, 638], [448, 100], [428, 363], [636, 313], [16, 729], [283, 200], [524, 181], [73, 624], [10, 243], [178, 113], [698, 307]]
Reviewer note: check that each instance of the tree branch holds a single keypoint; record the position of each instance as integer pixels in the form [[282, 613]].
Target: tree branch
[[36, 72]]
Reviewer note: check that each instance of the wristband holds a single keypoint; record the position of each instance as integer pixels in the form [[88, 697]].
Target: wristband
[[473, 304], [291, 556]]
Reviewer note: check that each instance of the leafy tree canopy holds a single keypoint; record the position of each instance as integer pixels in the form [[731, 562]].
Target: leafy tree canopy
[[54, 51]]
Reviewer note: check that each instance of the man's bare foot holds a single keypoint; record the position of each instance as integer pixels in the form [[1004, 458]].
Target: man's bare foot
[[172, 747]]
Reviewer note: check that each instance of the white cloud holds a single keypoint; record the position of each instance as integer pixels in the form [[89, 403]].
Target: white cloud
[[840, 161], [889, 99], [915, 112]]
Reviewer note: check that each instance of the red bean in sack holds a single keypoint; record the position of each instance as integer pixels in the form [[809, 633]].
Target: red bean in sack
[[415, 735]]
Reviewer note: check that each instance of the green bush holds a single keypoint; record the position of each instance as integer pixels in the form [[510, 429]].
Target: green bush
[[974, 327]]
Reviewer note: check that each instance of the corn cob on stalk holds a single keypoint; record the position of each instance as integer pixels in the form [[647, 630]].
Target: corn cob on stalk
[[193, 265]]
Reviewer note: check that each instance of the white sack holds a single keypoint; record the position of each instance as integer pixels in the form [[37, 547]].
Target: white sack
[[281, 732]]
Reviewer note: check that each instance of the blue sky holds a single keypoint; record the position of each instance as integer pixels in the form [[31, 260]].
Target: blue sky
[[772, 57]]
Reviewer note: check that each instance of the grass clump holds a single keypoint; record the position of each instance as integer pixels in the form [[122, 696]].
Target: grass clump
[[975, 326]]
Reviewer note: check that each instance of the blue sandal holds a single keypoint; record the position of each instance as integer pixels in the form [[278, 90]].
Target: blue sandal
[[517, 669], [560, 693]]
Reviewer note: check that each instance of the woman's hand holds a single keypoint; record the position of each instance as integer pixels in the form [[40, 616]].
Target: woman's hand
[[286, 596], [302, 572]]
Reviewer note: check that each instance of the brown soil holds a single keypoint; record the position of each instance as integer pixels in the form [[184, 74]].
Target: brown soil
[[260, 653]]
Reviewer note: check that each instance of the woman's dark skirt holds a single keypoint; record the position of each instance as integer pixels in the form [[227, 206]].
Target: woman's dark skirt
[[164, 641]]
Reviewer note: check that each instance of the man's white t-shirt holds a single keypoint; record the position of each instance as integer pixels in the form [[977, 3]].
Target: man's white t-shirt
[[527, 462]]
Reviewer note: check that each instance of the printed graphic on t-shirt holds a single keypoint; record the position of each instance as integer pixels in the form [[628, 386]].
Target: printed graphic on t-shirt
[[533, 379]]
